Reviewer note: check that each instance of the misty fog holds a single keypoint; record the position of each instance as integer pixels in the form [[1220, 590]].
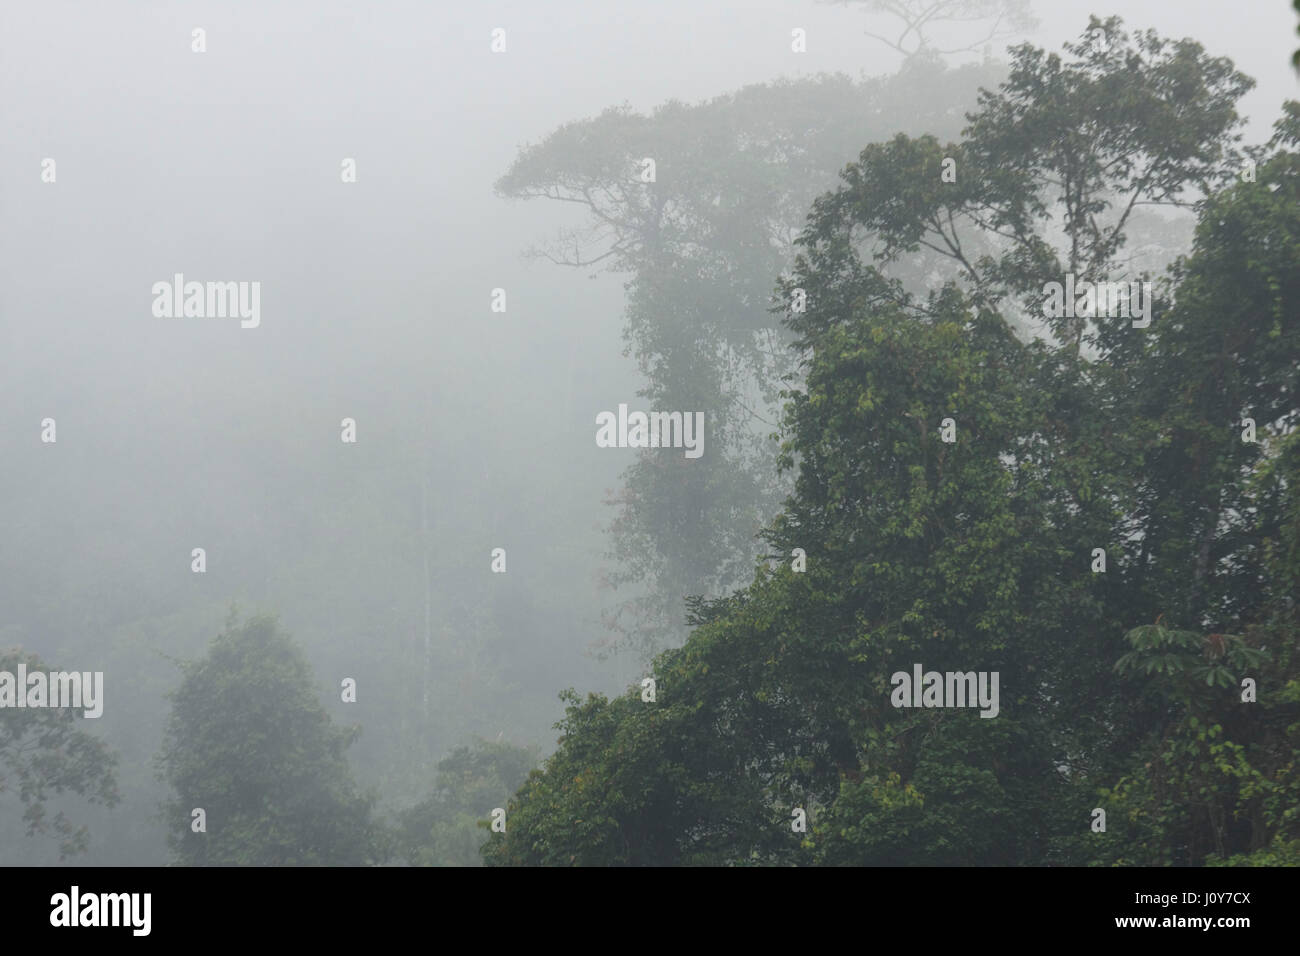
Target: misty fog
[[475, 428]]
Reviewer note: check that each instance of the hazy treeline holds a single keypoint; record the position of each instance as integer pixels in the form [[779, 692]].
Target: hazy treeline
[[910, 461]]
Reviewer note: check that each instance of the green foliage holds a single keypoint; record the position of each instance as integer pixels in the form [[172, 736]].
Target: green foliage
[[44, 753], [976, 554], [249, 742], [1295, 57], [1279, 854], [1053, 169], [447, 828], [702, 246], [1161, 650]]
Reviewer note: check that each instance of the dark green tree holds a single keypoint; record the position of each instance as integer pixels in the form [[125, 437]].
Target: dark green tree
[[1216, 516], [980, 553], [448, 827], [249, 743], [1053, 169]]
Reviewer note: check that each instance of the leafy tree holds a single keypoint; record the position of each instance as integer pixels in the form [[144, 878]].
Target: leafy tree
[[701, 246], [43, 753], [781, 695], [446, 829], [249, 743], [1053, 167], [978, 553], [1217, 780]]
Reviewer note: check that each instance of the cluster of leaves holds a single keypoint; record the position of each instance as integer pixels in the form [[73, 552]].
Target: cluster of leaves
[[448, 826], [44, 752], [978, 554]]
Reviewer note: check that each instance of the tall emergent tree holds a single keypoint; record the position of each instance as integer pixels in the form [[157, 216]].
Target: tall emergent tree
[[733, 179], [250, 745], [1103, 516]]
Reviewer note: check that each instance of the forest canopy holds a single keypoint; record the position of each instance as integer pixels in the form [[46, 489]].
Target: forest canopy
[[1103, 515]]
